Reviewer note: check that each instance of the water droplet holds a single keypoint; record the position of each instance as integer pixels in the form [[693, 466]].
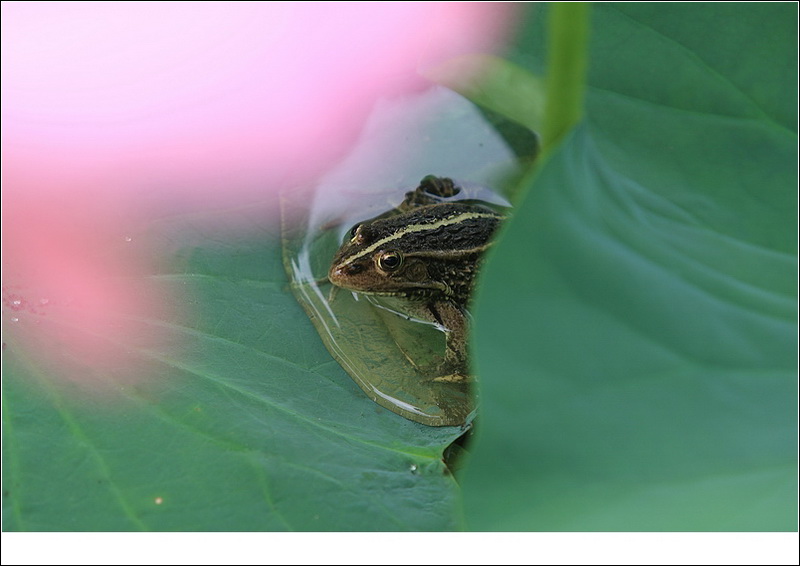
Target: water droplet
[[159, 500], [128, 239], [16, 302], [14, 319], [44, 301]]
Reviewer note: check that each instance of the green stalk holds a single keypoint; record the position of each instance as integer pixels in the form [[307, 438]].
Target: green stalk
[[568, 31]]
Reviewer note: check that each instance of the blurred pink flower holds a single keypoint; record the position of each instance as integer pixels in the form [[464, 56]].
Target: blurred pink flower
[[114, 110]]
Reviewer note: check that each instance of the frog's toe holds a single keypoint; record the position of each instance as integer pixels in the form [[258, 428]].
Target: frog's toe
[[454, 378]]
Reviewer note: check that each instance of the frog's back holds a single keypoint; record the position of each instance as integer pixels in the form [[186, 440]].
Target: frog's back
[[438, 227]]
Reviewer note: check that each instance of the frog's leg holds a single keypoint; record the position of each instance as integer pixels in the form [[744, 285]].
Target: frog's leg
[[438, 186], [431, 190], [454, 320]]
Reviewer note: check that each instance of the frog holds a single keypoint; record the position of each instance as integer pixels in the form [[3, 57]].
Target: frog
[[428, 252]]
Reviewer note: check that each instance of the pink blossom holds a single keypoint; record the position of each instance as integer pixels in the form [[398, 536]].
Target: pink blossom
[[112, 111]]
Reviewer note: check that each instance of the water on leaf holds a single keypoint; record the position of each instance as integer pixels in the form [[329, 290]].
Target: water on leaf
[[391, 355]]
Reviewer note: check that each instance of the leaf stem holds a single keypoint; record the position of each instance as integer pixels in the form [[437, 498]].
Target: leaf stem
[[568, 31]]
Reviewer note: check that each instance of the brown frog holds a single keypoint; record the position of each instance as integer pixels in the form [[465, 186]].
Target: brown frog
[[428, 252]]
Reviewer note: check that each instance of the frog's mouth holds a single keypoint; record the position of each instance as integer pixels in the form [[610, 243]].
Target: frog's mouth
[[347, 277]]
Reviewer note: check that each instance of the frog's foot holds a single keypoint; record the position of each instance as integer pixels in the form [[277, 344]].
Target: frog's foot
[[455, 377], [450, 371]]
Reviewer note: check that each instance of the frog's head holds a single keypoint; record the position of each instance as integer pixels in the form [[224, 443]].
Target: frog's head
[[408, 254], [375, 260]]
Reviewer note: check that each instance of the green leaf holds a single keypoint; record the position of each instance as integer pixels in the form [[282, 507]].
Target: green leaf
[[246, 422], [566, 68], [636, 328]]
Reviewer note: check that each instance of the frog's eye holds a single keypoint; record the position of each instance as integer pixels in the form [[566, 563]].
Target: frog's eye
[[390, 261]]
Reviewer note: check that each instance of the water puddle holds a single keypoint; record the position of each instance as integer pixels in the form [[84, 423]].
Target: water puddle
[[387, 350]]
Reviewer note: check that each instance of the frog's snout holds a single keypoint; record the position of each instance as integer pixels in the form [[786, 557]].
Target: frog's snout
[[340, 273]]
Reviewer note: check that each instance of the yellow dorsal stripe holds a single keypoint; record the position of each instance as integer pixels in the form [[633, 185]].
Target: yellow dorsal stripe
[[420, 228]]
